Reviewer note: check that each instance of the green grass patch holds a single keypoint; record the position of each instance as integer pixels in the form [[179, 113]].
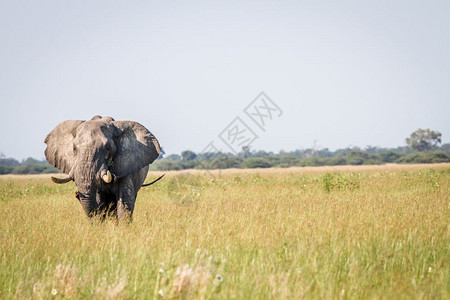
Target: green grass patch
[[381, 233]]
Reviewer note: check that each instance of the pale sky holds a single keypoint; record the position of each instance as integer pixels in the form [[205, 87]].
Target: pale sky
[[344, 73]]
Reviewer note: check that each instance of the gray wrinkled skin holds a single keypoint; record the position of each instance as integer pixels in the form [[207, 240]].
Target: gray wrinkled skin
[[107, 159]]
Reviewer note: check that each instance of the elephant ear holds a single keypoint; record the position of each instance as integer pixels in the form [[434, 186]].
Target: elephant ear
[[59, 151], [136, 148]]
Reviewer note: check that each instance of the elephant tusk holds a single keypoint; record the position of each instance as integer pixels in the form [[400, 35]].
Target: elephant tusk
[[107, 177], [61, 180]]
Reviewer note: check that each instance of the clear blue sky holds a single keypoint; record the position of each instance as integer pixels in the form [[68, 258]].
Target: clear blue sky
[[344, 72]]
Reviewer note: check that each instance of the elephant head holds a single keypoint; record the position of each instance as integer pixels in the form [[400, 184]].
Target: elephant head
[[99, 152]]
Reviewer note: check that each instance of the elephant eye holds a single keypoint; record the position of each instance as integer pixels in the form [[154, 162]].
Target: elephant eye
[[107, 147]]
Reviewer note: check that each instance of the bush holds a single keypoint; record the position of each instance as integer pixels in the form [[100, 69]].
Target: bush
[[340, 181], [5, 169], [389, 157], [337, 161], [425, 157], [9, 162], [34, 169], [315, 161], [223, 162], [255, 162], [289, 161], [439, 157], [51, 170], [356, 157], [165, 165], [283, 166]]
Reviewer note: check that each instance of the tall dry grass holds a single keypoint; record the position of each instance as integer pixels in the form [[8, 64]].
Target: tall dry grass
[[301, 233]]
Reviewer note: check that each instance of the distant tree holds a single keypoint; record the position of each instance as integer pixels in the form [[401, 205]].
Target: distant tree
[[389, 156], [424, 139], [372, 149], [223, 162], [314, 161], [188, 155], [31, 160], [10, 162], [174, 157], [357, 157], [445, 148], [345, 151], [5, 169], [165, 164], [256, 162], [288, 161], [245, 152], [297, 153], [425, 157], [325, 152], [335, 161], [261, 153]]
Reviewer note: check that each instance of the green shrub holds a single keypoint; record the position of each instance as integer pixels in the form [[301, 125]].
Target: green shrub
[[336, 161], [389, 157], [34, 169], [5, 169], [315, 161], [255, 162], [340, 181], [165, 165], [356, 157], [425, 157]]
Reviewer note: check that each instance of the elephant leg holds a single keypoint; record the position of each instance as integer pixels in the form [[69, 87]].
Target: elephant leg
[[125, 203]]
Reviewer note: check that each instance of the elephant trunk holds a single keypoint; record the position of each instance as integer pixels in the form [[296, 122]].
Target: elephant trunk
[[88, 180], [89, 203]]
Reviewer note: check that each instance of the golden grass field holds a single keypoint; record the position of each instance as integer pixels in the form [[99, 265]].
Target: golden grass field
[[320, 232]]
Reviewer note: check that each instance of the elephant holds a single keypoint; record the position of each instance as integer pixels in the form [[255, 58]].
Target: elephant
[[107, 159]]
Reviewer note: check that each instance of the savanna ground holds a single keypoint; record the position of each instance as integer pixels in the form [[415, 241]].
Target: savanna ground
[[342, 232]]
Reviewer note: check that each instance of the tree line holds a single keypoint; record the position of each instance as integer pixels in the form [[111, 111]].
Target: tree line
[[422, 146], [27, 166], [308, 157]]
